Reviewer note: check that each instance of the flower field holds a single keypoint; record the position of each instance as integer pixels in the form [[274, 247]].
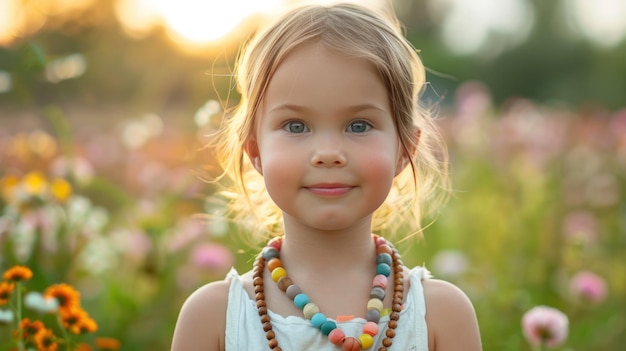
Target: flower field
[[116, 215]]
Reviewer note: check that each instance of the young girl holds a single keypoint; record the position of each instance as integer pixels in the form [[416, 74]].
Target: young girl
[[329, 118]]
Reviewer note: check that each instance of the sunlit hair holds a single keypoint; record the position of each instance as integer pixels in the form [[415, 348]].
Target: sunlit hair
[[359, 32]]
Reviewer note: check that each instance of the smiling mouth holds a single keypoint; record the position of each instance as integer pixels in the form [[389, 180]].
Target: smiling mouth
[[330, 189]]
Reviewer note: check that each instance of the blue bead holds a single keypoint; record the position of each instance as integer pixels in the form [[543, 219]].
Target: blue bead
[[384, 269], [328, 326], [270, 252], [318, 319], [384, 258], [301, 300]]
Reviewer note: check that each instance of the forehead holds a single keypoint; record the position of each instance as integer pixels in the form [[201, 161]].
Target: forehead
[[316, 76]]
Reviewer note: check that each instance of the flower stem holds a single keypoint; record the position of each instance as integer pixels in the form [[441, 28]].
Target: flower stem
[[66, 336], [20, 331]]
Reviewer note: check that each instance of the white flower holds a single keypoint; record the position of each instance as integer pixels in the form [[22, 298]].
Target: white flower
[[6, 317], [38, 302]]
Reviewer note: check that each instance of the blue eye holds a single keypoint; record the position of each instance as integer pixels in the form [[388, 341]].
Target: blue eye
[[295, 127], [359, 127]]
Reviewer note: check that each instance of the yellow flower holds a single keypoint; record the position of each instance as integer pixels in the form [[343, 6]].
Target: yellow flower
[[107, 344], [5, 292], [34, 183], [18, 273], [7, 187], [45, 340], [61, 189], [67, 296]]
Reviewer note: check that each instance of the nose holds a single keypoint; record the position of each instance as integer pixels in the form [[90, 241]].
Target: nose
[[329, 153]]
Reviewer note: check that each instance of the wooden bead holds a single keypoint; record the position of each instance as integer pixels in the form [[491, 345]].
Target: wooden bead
[[262, 311], [387, 342], [390, 333], [272, 343], [261, 303], [392, 324], [267, 326], [269, 335], [265, 319], [284, 283]]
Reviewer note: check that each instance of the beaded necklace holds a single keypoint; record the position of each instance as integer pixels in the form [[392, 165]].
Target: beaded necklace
[[386, 257]]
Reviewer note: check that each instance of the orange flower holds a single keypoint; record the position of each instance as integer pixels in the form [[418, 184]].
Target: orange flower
[[31, 328], [77, 321], [84, 347], [5, 292], [67, 296], [18, 273], [45, 340], [107, 344]]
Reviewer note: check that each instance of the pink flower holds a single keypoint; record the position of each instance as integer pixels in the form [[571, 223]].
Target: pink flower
[[545, 326], [212, 258], [588, 286]]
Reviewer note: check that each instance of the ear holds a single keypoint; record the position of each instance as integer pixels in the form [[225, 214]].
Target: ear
[[405, 156], [251, 147]]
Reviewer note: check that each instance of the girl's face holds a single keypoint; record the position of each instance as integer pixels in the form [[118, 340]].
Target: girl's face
[[325, 141]]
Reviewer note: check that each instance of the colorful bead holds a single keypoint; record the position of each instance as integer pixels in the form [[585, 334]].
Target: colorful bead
[[328, 326], [309, 310], [384, 258], [336, 336], [318, 319], [377, 292], [384, 269], [274, 263], [373, 316], [278, 273], [366, 341], [270, 252], [301, 300], [292, 291], [351, 344], [375, 304], [370, 328], [380, 280]]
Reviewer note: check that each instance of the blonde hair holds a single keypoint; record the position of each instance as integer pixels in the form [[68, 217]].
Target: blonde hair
[[357, 31]]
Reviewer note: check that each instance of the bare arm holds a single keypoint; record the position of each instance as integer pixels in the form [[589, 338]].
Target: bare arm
[[202, 320], [451, 319]]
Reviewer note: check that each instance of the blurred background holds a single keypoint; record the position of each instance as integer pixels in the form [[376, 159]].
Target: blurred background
[[104, 106]]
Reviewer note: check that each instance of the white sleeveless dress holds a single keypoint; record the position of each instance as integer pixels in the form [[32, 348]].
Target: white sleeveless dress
[[245, 333]]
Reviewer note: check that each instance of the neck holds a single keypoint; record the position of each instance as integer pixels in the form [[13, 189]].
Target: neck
[[326, 249]]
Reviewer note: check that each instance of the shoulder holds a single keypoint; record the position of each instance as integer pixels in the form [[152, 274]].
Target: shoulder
[[450, 316], [201, 322]]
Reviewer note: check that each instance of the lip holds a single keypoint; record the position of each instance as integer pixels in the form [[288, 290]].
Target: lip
[[329, 189]]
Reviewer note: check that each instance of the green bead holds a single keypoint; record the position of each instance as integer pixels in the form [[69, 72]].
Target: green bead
[[328, 326], [384, 269]]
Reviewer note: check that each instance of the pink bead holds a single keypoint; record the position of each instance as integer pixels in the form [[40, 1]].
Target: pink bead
[[380, 280], [380, 241], [370, 328], [276, 243], [351, 344], [337, 336]]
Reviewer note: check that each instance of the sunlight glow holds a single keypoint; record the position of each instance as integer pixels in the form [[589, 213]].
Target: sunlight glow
[[601, 21], [482, 26]]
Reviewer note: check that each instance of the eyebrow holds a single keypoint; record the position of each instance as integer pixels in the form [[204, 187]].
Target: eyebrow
[[352, 108]]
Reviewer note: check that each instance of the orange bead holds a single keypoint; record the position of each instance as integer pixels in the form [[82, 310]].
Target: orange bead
[[351, 344], [274, 263], [370, 328]]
